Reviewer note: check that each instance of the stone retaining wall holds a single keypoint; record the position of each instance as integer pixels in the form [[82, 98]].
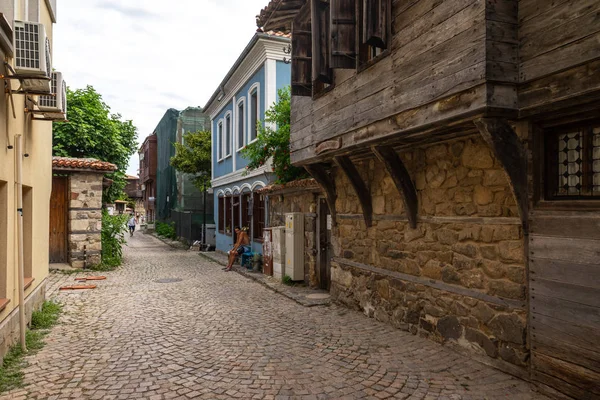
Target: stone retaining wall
[[468, 240]]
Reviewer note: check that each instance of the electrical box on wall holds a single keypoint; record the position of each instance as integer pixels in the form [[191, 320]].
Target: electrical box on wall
[[294, 246]]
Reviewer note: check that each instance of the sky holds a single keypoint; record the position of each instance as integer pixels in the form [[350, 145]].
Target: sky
[[146, 56]]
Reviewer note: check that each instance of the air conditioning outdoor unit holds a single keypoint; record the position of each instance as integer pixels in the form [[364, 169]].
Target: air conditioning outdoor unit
[[55, 105], [32, 56]]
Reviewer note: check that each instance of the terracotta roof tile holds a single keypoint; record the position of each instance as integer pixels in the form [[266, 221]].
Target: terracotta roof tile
[[82, 163], [278, 14]]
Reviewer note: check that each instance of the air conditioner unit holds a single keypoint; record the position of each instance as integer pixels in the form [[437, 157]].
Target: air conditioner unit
[[32, 56], [55, 106]]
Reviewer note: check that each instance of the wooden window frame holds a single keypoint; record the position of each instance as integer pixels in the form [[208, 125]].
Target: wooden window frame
[[322, 82], [221, 212], [220, 140], [245, 221], [363, 60], [229, 134], [241, 104], [258, 216], [253, 127], [543, 198], [228, 215]]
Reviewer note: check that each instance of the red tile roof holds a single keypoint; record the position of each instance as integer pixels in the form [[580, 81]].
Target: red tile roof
[[278, 14], [66, 163]]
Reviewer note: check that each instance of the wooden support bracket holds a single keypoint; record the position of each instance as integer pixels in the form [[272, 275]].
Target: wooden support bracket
[[325, 180], [395, 167], [507, 148], [361, 189]]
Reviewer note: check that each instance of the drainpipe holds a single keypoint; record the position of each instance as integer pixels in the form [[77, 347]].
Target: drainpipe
[[21, 265]]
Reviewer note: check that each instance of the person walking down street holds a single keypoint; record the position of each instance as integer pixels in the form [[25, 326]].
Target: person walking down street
[[240, 247], [131, 223]]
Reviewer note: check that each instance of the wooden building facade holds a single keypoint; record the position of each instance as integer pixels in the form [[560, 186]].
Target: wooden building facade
[[458, 145]]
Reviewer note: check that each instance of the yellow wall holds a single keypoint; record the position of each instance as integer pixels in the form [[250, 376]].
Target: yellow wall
[[37, 174]]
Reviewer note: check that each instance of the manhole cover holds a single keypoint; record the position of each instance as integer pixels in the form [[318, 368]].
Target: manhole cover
[[168, 280], [318, 296]]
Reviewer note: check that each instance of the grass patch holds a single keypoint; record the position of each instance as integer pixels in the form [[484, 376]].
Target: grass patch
[[11, 371], [103, 267]]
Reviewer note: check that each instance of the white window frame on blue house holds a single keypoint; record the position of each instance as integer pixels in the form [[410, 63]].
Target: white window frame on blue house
[[227, 151], [220, 145], [253, 88], [242, 102]]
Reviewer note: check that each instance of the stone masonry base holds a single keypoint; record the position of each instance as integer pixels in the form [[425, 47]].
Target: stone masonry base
[[9, 327]]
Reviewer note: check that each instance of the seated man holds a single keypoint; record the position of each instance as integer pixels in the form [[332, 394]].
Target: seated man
[[241, 246]]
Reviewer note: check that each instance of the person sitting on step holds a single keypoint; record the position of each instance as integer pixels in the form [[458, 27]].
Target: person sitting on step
[[241, 246]]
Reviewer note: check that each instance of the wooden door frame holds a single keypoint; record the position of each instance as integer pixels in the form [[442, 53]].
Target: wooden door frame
[[67, 179], [324, 271]]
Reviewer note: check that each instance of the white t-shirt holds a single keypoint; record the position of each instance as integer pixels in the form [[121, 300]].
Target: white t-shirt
[[131, 221]]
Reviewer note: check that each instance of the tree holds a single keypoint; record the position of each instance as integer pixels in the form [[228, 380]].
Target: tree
[[193, 157], [93, 132], [275, 143]]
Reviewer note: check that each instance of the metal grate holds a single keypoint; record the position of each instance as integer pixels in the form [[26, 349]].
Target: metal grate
[[51, 101], [27, 46], [577, 169]]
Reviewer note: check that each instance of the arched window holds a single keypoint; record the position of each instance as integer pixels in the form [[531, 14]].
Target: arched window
[[241, 124], [254, 112]]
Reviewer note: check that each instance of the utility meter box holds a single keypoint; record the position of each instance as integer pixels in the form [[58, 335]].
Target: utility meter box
[[294, 246], [278, 251]]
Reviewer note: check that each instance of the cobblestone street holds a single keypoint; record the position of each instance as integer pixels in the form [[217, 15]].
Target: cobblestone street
[[218, 335]]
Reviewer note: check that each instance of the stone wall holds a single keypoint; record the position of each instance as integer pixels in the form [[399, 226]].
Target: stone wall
[[304, 202], [85, 219], [460, 275]]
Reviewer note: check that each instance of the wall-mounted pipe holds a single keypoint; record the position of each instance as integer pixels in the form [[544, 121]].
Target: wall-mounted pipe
[[21, 263]]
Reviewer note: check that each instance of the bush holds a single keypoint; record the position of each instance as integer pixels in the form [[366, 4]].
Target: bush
[[166, 230], [113, 238]]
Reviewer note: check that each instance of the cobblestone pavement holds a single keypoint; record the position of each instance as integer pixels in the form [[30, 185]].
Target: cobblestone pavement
[[218, 335]]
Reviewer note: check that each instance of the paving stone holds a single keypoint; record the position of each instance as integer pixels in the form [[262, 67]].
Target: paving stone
[[219, 335]]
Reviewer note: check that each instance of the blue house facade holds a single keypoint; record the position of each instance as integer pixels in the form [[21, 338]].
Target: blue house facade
[[239, 103]]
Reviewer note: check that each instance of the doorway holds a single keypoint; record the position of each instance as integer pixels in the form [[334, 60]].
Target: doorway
[[58, 219], [324, 241]]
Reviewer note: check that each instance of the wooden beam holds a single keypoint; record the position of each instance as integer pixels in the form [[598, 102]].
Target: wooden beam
[[325, 180], [360, 188], [511, 153], [395, 167]]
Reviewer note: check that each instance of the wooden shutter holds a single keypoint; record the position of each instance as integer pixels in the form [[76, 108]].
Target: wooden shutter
[[321, 69], [302, 53], [343, 34], [376, 22]]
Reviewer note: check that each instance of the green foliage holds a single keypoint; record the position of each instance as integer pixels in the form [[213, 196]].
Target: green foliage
[[93, 132], [166, 230], [287, 280], [11, 370], [47, 317], [275, 143], [194, 157], [113, 238]]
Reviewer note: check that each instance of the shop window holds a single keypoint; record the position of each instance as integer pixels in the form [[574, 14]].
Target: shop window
[[227, 209], [221, 211], [572, 157], [245, 204], [258, 215]]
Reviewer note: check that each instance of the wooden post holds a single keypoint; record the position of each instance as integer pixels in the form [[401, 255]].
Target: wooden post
[[360, 187], [327, 183], [395, 167], [507, 148]]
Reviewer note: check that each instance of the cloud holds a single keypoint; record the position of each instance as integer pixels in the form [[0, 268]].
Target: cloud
[[143, 65], [131, 12]]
